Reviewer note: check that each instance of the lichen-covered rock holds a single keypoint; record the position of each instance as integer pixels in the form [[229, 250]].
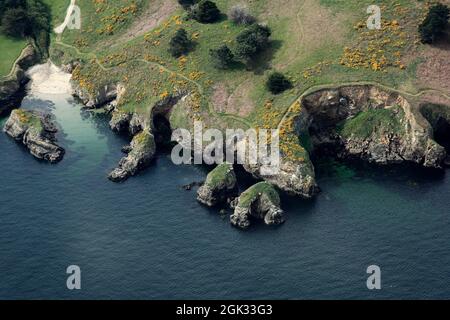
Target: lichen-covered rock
[[220, 185], [36, 132], [141, 152], [261, 201]]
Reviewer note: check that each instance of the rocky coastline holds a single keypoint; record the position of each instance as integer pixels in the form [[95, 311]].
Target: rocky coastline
[[362, 122], [37, 132], [12, 87]]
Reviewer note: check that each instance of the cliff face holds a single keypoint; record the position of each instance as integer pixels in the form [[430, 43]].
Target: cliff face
[[368, 123], [140, 153], [103, 95], [36, 132], [294, 177], [11, 87]]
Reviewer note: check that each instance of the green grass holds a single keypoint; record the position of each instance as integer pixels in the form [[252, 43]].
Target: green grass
[[11, 49], [58, 10], [89, 40], [252, 193], [30, 119], [373, 121], [101, 22], [219, 176]]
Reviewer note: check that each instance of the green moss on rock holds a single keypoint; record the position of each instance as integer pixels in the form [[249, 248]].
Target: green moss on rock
[[371, 121], [222, 174], [252, 193]]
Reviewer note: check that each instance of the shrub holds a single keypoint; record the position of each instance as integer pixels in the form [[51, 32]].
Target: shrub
[[187, 3], [222, 57], [240, 14], [24, 18], [180, 43], [252, 41], [277, 83], [435, 23], [205, 12]]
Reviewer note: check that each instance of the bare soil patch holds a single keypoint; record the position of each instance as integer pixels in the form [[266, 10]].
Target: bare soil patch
[[434, 71], [310, 26], [237, 103], [154, 15]]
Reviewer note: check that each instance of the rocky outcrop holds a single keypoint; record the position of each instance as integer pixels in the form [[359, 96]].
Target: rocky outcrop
[[12, 86], [141, 152], [100, 97], [120, 121], [37, 132], [293, 177], [131, 123], [260, 201], [220, 186], [371, 124]]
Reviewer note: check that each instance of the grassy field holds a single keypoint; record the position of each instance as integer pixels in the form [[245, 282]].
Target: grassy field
[[11, 49], [314, 43], [58, 10]]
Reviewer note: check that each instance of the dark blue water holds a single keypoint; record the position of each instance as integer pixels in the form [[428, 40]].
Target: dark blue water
[[149, 239]]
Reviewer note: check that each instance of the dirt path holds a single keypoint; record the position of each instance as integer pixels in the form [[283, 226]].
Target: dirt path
[[301, 36], [60, 29]]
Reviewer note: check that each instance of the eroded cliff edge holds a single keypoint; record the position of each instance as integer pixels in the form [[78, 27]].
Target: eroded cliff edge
[[12, 86], [364, 122]]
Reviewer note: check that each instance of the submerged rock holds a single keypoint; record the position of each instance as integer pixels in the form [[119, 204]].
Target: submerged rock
[[141, 152], [36, 132], [190, 186], [260, 201], [220, 185]]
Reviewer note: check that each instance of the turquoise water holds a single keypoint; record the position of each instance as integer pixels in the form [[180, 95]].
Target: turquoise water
[[149, 239]]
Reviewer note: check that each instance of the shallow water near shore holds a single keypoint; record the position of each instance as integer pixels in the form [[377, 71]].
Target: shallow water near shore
[[147, 238]]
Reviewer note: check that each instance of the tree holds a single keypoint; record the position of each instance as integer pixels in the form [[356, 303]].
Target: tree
[[180, 43], [205, 12], [435, 23], [222, 57], [11, 4], [277, 83], [16, 23], [240, 14], [252, 41]]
